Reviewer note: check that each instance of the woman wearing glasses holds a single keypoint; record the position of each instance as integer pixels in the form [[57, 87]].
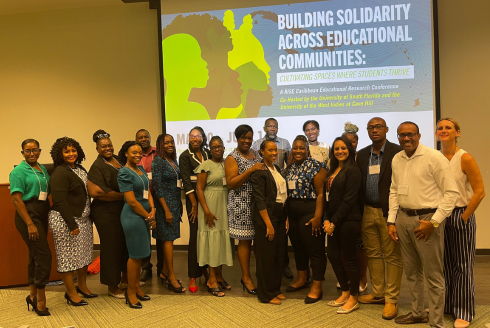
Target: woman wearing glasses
[[192, 157], [460, 228], [29, 188], [105, 212], [213, 238]]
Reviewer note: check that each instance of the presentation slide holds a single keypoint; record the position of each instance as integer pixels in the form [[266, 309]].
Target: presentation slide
[[330, 61]]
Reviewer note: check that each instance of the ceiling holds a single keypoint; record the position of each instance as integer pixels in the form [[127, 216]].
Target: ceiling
[[8, 7]]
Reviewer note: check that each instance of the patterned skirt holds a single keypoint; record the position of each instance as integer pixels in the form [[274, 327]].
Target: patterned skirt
[[72, 252]]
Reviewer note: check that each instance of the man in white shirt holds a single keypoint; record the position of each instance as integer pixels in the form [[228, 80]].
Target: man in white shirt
[[423, 193]]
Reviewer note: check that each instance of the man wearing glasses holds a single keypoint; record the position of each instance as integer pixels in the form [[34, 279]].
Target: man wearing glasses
[[382, 252], [271, 127], [423, 193]]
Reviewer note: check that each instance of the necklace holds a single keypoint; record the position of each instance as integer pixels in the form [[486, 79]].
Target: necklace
[[111, 164]]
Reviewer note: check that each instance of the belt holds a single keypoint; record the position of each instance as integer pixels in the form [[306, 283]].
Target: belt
[[374, 205], [279, 204], [419, 212]]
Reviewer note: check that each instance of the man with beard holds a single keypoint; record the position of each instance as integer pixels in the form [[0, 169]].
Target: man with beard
[[271, 127]]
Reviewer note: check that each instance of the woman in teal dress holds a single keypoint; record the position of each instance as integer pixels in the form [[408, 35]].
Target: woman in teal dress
[[167, 186], [137, 215], [213, 237]]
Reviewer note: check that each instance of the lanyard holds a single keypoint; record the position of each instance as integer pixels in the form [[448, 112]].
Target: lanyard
[[173, 167], [111, 164], [139, 176], [218, 166], [371, 157], [40, 188]]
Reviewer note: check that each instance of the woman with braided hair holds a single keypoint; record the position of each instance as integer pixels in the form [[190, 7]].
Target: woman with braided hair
[[69, 218]]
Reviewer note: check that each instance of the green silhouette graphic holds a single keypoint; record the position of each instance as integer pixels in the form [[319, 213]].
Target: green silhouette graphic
[[246, 47], [247, 58], [184, 70]]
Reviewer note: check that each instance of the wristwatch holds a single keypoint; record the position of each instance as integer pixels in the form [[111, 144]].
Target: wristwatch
[[434, 223]]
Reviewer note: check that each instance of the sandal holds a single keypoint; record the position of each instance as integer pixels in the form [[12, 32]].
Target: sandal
[[224, 285], [215, 291], [177, 290], [165, 278]]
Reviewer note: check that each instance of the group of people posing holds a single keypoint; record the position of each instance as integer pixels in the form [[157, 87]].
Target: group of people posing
[[390, 207]]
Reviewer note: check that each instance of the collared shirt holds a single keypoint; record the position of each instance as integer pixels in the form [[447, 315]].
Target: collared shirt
[[372, 193], [283, 150], [147, 159], [28, 181], [422, 181], [280, 184]]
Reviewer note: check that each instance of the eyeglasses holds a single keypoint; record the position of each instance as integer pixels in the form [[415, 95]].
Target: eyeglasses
[[34, 151], [195, 137], [377, 127], [216, 147], [409, 135]]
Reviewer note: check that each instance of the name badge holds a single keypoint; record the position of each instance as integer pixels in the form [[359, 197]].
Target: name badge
[[282, 188], [291, 185], [224, 182], [149, 175], [375, 169], [326, 196], [43, 195], [145, 194], [179, 184], [403, 190], [193, 178]]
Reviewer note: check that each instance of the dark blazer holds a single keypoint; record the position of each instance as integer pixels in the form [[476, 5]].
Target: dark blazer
[[69, 194], [188, 161], [344, 203], [384, 181], [264, 194]]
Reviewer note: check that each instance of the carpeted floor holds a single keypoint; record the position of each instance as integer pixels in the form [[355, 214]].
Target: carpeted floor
[[196, 311]]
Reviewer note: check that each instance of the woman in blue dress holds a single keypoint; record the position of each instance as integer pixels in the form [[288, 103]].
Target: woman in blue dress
[[167, 185], [136, 217]]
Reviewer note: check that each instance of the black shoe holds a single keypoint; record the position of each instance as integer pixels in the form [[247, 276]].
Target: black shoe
[[250, 291], [69, 301], [165, 278], [145, 274], [177, 290], [31, 302], [288, 274], [292, 289], [43, 313], [79, 291], [131, 305], [309, 300], [143, 298]]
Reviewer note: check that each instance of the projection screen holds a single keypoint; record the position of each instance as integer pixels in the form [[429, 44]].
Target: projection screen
[[330, 61]]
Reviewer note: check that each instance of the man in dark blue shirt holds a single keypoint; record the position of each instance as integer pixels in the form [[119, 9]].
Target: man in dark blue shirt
[[382, 252]]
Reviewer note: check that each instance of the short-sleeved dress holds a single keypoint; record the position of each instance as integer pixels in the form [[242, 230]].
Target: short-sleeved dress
[[165, 178], [136, 228], [239, 213], [73, 252], [214, 245]]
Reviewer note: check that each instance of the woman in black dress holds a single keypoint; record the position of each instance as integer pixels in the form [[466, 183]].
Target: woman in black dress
[[29, 187], [343, 221], [105, 212], [191, 158]]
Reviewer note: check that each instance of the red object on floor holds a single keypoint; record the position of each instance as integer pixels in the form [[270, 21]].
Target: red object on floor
[[94, 267]]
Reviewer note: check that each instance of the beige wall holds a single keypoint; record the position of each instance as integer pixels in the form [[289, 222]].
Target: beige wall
[[464, 41], [70, 72]]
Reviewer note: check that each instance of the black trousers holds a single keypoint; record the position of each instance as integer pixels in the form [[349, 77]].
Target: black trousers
[[193, 268], [39, 264], [306, 246], [113, 251], [269, 256], [344, 240]]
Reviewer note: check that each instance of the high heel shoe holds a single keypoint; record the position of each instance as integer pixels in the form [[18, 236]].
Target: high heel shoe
[[43, 313], [131, 305], [31, 302], [79, 291], [143, 298], [193, 289], [165, 278], [69, 301], [176, 290], [250, 291]]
